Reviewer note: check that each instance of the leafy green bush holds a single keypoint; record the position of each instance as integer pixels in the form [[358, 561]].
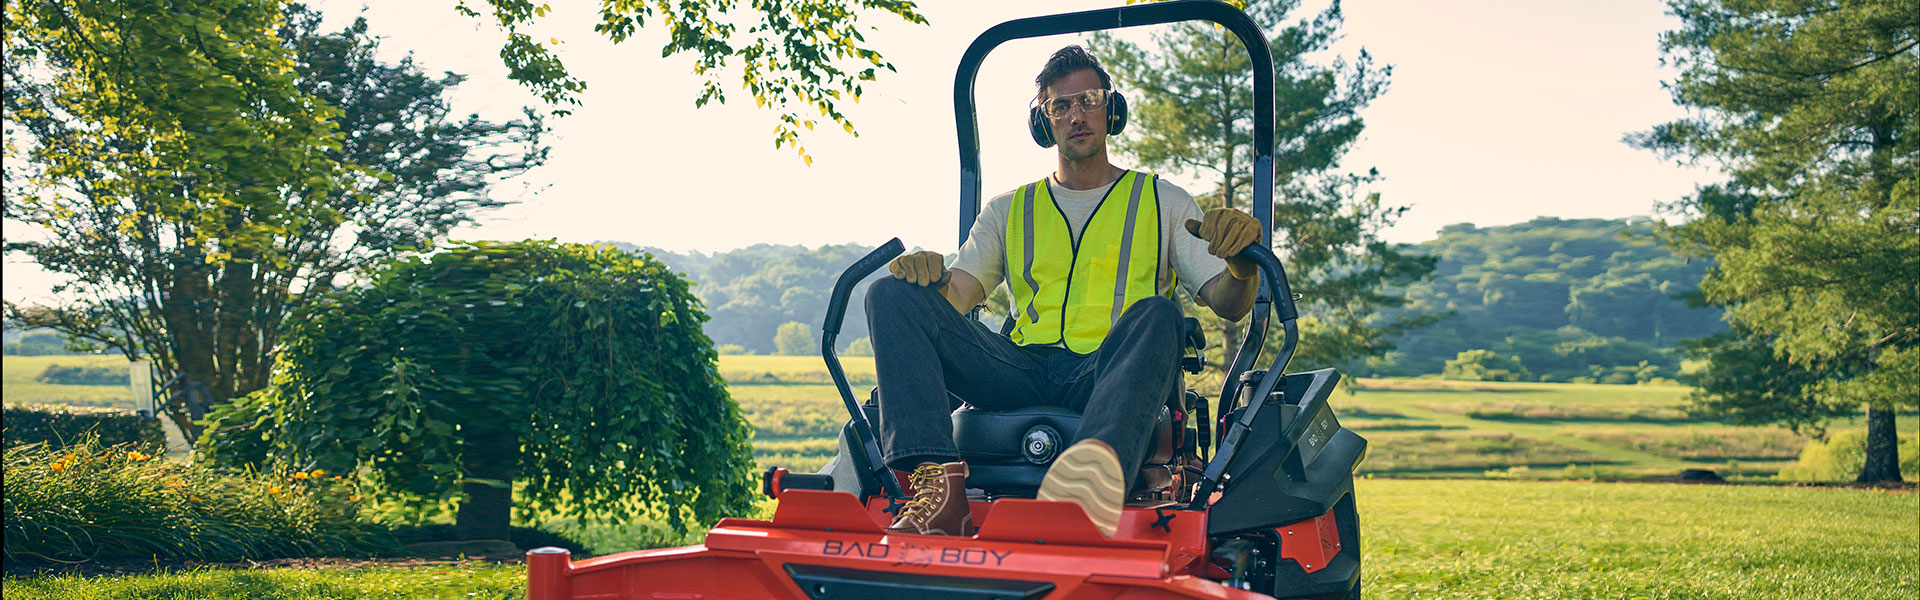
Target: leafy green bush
[[860, 347], [58, 426], [93, 501], [1841, 456], [794, 339], [1484, 365], [578, 370], [82, 375]]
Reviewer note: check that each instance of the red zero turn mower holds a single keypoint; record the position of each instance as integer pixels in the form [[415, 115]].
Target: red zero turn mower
[[1269, 514]]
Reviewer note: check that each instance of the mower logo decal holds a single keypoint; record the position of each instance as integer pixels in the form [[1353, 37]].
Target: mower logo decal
[[839, 548], [915, 555]]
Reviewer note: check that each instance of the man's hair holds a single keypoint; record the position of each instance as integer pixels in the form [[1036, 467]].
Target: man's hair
[[1067, 61]]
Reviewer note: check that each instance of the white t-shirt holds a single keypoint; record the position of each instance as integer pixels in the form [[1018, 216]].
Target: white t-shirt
[[984, 256]]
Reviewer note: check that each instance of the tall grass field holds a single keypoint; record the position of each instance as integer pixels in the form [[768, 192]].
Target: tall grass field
[[1417, 427]]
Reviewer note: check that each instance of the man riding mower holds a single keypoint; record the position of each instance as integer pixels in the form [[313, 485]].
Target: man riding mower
[[1090, 254], [1061, 457]]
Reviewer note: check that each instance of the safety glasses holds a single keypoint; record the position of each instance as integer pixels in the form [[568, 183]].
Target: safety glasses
[[1087, 101]]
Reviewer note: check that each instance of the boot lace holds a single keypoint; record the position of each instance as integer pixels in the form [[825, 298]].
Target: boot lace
[[927, 492]]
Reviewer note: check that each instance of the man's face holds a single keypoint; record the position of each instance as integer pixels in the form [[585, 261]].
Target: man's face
[[1081, 135]]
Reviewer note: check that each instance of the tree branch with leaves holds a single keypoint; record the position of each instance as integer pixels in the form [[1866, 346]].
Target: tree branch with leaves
[[797, 58]]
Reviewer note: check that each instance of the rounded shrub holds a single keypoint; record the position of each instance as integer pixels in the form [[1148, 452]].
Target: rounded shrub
[[1842, 455], [579, 371]]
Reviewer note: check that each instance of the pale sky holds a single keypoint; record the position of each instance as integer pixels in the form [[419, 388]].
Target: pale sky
[[1498, 111]]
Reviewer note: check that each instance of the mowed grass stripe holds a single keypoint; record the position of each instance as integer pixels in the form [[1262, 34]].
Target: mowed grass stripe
[[1473, 540]]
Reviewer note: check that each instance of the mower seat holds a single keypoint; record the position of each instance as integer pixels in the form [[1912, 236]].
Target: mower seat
[[1008, 452]]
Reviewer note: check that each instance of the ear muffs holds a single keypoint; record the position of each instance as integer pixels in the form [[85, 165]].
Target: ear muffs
[[1116, 113], [1041, 128]]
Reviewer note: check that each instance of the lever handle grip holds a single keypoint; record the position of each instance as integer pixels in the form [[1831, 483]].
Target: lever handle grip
[[837, 304]]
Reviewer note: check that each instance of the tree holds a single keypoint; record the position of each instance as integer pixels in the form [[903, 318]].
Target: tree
[[1813, 109], [201, 170], [794, 339], [801, 56], [1743, 380], [1193, 115], [1485, 365], [860, 347], [578, 371]]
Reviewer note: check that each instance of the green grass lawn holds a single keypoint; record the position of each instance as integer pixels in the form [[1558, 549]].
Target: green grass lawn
[[1422, 540], [1446, 540]]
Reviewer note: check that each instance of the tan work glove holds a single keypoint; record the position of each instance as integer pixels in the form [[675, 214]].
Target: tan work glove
[[1227, 232], [923, 268]]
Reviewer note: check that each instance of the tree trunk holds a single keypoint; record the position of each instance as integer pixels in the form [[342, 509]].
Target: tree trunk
[[487, 512], [1883, 448]]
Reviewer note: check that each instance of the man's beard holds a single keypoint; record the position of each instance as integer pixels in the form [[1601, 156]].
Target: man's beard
[[1067, 150]]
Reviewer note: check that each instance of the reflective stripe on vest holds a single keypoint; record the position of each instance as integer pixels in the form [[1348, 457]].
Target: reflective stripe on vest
[[1074, 290]]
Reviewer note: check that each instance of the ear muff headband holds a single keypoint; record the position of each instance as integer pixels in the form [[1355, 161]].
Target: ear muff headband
[[1041, 128]]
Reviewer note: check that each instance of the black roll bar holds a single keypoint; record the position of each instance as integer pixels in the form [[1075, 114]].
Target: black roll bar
[[1261, 58]]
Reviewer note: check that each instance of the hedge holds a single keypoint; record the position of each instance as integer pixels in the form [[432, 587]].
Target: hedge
[[60, 425]]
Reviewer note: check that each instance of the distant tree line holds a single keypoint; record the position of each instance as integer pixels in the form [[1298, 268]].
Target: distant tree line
[[41, 342], [1573, 299], [1570, 300], [753, 291]]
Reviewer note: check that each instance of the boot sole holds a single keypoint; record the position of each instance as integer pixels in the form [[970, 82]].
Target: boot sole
[[1088, 475]]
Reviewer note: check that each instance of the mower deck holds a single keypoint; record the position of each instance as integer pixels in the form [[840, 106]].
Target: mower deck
[[826, 544]]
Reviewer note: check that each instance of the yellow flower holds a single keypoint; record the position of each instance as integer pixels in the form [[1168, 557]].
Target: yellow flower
[[273, 490], [299, 475], [318, 473], [193, 498], [59, 466], [136, 455]]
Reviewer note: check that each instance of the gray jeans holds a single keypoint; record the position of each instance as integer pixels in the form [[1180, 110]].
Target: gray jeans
[[924, 349]]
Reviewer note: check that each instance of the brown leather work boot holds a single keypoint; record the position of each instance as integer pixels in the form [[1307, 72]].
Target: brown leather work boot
[[939, 504]]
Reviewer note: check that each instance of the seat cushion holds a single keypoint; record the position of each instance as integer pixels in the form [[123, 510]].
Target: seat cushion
[[1004, 435]]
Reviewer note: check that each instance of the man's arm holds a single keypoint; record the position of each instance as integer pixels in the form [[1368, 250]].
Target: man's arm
[[1227, 231], [963, 290], [1229, 296]]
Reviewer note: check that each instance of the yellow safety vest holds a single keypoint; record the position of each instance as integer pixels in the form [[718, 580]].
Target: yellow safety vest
[[1074, 290]]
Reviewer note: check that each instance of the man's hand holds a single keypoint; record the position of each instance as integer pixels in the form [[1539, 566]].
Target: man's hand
[[923, 268], [1227, 232]]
